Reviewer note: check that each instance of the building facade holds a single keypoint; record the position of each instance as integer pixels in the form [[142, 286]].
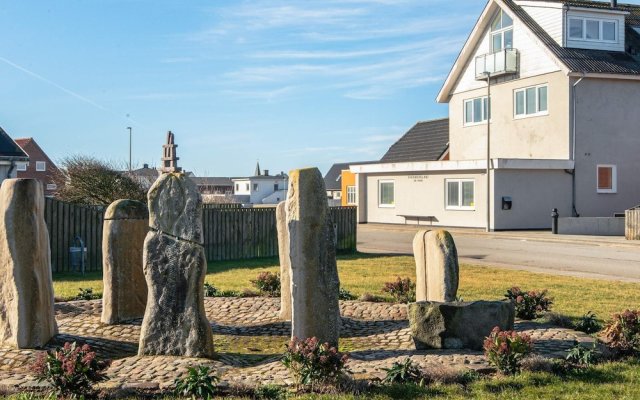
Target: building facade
[[38, 167], [554, 85]]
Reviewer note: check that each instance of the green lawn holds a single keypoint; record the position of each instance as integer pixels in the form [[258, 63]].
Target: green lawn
[[365, 273]]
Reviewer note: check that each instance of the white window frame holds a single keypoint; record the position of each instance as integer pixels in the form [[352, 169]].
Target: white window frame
[[614, 178], [337, 195], [351, 195], [383, 205], [52, 186], [537, 113], [485, 104], [600, 30], [459, 207], [500, 32], [22, 167], [41, 166]]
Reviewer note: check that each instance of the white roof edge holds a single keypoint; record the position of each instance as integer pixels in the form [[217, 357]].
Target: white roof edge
[[539, 4], [598, 10], [597, 75], [463, 165]]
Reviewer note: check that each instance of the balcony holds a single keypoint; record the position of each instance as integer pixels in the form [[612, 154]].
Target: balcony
[[503, 62]]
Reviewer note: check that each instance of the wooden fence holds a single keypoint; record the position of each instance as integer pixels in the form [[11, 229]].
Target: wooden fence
[[230, 233], [65, 221], [632, 224]]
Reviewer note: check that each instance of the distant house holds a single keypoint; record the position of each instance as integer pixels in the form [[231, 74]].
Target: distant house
[[543, 114], [339, 182], [145, 175], [261, 188], [214, 185], [12, 157], [39, 167]]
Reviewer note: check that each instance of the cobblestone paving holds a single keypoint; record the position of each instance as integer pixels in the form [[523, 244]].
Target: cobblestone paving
[[249, 339]]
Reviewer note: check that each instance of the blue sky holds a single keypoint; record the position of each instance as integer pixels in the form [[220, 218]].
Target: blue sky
[[291, 83]]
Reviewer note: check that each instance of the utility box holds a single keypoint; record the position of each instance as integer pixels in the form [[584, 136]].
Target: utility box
[[78, 255]]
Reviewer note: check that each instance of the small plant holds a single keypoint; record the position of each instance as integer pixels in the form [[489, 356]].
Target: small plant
[[403, 372], [313, 362], [529, 305], [210, 290], [199, 383], [402, 290], [86, 294], [344, 294], [268, 283], [582, 356], [71, 370], [371, 298], [270, 392], [506, 349], [622, 333], [588, 323]]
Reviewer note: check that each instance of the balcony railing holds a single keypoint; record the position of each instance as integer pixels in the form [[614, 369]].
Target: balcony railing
[[502, 62]]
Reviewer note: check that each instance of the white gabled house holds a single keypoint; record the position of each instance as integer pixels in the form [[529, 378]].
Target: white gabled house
[[563, 79]]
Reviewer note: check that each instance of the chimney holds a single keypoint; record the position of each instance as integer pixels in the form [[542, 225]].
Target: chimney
[[614, 3], [266, 172], [145, 166]]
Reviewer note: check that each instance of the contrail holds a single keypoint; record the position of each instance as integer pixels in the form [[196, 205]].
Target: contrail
[[43, 79]]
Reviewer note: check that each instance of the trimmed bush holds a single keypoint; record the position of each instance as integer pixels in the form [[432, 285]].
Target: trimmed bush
[[268, 284], [529, 305], [312, 362], [402, 290], [506, 350]]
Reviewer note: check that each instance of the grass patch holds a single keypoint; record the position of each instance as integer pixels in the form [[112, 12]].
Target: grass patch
[[367, 273]]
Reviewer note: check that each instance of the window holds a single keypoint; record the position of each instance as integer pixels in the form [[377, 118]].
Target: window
[[51, 186], [351, 195], [607, 179], [255, 187], [531, 101], [594, 30], [237, 187], [501, 32], [41, 166], [476, 110], [275, 187], [460, 194], [22, 166], [246, 187], [386, 193], [337, 195]]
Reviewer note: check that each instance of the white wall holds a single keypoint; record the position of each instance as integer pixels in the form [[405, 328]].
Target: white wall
[[548, 15]]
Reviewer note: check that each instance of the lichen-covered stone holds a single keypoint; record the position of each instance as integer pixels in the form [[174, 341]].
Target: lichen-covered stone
[[124, 297], [285, 264], [174, 267], [26, 291], [457, 325], [312, 255], [437, 270]]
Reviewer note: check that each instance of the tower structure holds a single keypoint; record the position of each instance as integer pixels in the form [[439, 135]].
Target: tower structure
[[169, 157]]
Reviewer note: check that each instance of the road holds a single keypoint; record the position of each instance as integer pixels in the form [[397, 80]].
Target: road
[[599, 257]]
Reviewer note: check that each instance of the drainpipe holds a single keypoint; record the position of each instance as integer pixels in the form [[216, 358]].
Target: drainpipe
[[574, 211], [11, 168], [488, 229]]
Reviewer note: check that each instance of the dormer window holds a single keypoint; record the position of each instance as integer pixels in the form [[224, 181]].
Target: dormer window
[[501, 32], [594, 30]]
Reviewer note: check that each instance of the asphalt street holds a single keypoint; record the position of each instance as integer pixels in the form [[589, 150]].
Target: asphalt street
[[591, 257]]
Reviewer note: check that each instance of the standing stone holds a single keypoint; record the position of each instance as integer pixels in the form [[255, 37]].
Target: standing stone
[[174, 267], [124, 298], [285, 263], [437, 267], [26, 291], [315, 310]]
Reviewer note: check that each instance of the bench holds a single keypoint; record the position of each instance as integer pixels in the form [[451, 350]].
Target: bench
[[429, 218]]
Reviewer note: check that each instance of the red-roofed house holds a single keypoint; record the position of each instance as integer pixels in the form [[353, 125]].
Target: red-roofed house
[[39, 166]]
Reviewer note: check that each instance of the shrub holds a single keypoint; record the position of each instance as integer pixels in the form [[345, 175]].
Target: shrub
[[344, 294], [313, 362], [86, 294], [197, 384], [403, 372], [536, 363], [582, 356], [270, 392], [371, 298], [622, 333], [402, 290], [506, 349], [560, 320], [588, 323], [210, 290], [529, 305], [71, 370], [268, 283]]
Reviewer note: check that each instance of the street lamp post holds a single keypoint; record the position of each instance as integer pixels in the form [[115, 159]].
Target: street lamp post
[[129, 128], [488, 74]]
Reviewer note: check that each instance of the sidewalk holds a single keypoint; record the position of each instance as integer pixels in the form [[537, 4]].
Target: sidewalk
[[534, 235]]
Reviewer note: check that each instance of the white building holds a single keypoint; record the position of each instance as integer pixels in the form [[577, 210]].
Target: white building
[[557, 83], [261, 188]]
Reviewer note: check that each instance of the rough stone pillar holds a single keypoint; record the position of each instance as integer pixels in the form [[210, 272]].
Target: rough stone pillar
[[124, 298], [26, 291], [437, 268], [285, 264], [174, 267], [315, 285]]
